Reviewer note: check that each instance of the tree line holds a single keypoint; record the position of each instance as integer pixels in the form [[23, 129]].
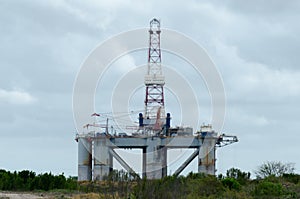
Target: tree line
[[28, 181], [272, 180]]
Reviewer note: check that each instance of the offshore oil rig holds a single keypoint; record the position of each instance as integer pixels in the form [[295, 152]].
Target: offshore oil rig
[[154, 134]]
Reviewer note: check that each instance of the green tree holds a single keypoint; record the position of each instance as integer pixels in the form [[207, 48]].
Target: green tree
[[231, 184], [275, 168], [270, 189], [59, 182], [240, 176], [291, 177], [27, 181]]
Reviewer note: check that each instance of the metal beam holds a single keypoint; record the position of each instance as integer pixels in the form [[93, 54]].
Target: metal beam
[[123, 163], [187, 162], [225, 140]]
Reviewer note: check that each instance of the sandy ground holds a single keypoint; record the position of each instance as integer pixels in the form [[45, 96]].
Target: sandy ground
[[7, 195], [32, 195]]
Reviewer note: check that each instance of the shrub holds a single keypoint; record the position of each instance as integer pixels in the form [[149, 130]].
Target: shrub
[[28, 181], [234, 195], [275, 168], [231, 184], [240, 176], [205, 186], [266, 188], [293, 178]]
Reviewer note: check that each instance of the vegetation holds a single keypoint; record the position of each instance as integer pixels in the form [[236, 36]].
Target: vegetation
[[275, 168], [29, 181], [119, 184]]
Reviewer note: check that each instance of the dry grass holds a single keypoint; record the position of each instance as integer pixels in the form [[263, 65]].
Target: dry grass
[[95, 196]]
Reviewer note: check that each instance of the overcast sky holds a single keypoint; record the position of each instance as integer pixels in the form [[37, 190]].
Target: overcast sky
[[254, 44]]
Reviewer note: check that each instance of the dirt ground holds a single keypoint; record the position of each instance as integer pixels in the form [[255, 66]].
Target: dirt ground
[[9, 195], [20, 195], [49, 195]]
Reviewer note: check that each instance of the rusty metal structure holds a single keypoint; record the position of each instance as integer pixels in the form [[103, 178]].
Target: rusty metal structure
[[154, 135], [154, 79]]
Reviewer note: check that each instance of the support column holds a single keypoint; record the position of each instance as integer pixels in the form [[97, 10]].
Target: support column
[[207, 157], [102, 159], [84, 159], [156, 157]]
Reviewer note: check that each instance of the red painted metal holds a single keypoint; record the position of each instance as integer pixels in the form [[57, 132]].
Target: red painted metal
[[154, 79]]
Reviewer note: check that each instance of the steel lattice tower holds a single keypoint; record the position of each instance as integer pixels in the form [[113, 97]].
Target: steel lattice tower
[[154, 79]]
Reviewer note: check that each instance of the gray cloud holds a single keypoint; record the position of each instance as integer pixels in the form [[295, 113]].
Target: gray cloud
[[255, 45]]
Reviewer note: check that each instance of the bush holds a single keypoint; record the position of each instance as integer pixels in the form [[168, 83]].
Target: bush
[[266, 188], [272, 178], [231, 184], [275, 168], [28, 181], [293, 178], [241, 177], [234, 195], [204, 186]]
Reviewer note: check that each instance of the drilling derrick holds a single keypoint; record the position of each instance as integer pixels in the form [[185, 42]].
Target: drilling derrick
[[154, 80], [154, 136]]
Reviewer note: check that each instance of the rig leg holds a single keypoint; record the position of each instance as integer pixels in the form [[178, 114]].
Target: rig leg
[[84, 160], [102, 159], [156, 159], [207, 157]]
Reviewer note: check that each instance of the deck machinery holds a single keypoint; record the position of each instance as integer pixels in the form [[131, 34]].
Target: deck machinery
[[154, 134]]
